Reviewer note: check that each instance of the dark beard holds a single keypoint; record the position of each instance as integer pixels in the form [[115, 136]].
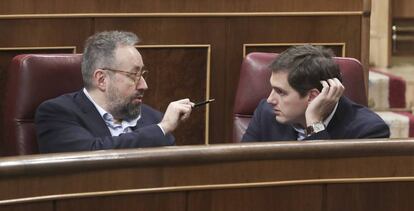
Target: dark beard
[[121, 108], [127, 112]]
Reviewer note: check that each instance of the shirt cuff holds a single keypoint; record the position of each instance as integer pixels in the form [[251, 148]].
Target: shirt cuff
[[161, 129]]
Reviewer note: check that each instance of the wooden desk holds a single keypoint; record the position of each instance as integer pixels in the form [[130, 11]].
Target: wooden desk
[[318, 175]]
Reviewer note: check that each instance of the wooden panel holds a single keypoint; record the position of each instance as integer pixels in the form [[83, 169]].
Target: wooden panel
[[177, 73], [33, 206], [306, 197], [403, 21], [337, 49], [402, 8], [45, 32], [99, 6], [371, 196], [328, 175], [403, 37], [169, 168], [226, 33], [174, 201], [179, 31]]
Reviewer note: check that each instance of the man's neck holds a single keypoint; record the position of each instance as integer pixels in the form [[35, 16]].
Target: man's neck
[[99, 98]]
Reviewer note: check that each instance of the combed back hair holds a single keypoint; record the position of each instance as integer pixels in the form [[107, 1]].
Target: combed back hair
[[99, 51], [306, 66]]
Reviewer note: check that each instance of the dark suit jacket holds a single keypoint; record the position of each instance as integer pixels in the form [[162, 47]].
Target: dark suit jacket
[[350, 121], [72, 123]]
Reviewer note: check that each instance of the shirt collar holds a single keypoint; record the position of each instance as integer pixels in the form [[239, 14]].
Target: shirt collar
[[329, 118]]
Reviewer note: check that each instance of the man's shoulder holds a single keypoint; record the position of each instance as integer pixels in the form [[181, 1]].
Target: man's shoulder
[[358, 121], [359, 114], [65, 100]]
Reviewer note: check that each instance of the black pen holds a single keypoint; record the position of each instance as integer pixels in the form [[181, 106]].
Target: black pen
[[202, 103]]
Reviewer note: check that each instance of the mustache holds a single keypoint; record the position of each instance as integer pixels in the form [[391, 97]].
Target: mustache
[[138, 95]]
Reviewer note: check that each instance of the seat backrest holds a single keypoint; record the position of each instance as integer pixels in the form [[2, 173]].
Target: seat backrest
[[30, 80], [254, 85]]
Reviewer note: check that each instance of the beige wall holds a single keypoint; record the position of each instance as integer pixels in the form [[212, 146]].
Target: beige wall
[[380, 36]]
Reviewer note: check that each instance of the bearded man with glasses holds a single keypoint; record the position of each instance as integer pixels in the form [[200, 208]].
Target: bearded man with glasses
[[108, 112]]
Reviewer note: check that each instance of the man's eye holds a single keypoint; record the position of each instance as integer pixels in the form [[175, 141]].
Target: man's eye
[[280, 92]]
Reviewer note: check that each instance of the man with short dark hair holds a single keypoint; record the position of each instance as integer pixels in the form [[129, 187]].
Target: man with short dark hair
[[306, 102], [108, 112]]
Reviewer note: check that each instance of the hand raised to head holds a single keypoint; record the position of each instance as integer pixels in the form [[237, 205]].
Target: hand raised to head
[[321, 106]]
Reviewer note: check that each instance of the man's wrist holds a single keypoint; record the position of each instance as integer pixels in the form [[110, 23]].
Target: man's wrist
[[312, 118], [162, 129], [315, 127], [165, 127]]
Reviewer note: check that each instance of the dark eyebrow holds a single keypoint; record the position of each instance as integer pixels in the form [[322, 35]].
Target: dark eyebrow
[[279, 89]]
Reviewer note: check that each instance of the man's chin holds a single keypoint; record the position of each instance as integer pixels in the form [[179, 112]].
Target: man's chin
[[281, 120], [132, 115]]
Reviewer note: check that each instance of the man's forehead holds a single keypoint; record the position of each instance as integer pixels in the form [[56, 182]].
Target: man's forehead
[[279, 76], [129, 54], [279, 80]]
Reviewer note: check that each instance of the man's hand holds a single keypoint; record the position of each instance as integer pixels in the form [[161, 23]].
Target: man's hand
[[177, 112], [321, 106]]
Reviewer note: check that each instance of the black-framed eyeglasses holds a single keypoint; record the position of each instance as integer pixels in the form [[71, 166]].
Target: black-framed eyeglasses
[[136, 77]]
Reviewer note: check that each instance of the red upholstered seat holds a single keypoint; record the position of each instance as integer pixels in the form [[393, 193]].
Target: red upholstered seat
[[32, 79], [254, 85]]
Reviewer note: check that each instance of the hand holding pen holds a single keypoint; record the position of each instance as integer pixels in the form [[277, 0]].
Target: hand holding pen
[[202, 103]]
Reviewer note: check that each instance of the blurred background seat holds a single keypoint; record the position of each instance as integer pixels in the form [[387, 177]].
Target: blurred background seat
[[32, 79]]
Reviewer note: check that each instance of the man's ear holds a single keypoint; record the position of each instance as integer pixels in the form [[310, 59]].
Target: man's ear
[[312, 94], [100, 79]]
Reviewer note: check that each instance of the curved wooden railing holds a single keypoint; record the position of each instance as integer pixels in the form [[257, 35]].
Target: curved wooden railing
[[326, 174]]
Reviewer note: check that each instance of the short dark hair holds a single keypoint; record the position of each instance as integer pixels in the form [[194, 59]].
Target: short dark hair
[[306, 66]]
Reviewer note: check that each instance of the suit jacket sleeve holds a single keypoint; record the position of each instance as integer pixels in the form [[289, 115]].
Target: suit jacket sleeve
[[61, 129]]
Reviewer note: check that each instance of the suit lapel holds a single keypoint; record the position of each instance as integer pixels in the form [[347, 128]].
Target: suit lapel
[[336, 125], [92, 117]]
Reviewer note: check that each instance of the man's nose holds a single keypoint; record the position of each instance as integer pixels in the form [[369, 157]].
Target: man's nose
[[272, 99], [142, 84]]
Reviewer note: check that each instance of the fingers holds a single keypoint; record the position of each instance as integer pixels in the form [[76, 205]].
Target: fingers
[[325, 88], [183, 108], [320, 107], [176, 112], [335, 88], [182, 101], [185, 111], [332, 88]]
